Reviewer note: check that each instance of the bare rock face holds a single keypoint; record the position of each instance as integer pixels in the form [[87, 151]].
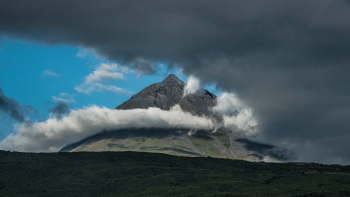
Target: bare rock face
[[168, 93]]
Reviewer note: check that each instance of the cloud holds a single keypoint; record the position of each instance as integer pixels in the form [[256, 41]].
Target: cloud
[[192, 85], [47, 73], [66, 95], [60, 109], [230, 111], [228, 104], [66, 100], [104, 72], [243, 123], [271, 153], [85, 52], [287, 60], [13, 108], [236, 116], [102, 88], [85, 89], [53, 134], [112, 89], [143, 66]]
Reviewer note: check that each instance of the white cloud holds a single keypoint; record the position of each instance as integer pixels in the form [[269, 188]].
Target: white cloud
[[111, 88], [236, 116], [243, 121], [87, 89], [104, 72], [101, 75], [66, 100], [66, 95], [228, 103], [53, 134], [192, 85], [107, 72], [47, 73]]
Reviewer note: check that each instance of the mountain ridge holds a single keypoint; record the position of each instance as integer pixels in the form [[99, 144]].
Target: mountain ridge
[[168, 93]]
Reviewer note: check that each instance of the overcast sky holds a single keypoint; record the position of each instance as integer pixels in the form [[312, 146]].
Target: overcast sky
[[287, 60]]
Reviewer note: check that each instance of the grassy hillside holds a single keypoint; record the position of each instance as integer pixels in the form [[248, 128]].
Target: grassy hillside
[[173, 142], [142, 140], [223, 138], [150, 174], [140, 144], [207, 144]]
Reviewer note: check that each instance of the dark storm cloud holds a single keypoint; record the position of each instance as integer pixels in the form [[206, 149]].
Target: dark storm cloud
[[12, 107], [60, 109], [288, 60]]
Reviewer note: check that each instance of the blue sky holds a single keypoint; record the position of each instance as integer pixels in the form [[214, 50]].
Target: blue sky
[[40, 75]]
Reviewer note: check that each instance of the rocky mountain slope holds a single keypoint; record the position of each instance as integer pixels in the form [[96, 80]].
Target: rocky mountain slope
[[164, 95], [168, 93]]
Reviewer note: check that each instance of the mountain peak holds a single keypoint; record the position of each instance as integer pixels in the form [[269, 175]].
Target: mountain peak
[[171, 77], [168, 93], [172, 80]]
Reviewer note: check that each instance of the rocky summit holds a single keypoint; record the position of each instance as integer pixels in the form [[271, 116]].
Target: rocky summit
[[168, 93]]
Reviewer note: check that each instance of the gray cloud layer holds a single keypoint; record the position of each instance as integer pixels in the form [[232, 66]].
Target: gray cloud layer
[[287, 60]]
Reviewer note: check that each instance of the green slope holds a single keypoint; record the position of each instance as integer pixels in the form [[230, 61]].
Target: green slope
[[157, 141], [206, 144], [222, 136], [140, 144]]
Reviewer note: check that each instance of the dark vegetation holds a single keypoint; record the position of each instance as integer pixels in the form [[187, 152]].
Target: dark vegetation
[[150, 174]]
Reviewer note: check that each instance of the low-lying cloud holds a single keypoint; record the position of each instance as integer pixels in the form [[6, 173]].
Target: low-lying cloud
[[66, 127], [236, 116], [51, 135]]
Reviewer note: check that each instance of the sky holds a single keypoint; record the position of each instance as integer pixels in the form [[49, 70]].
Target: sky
[[287, 61]]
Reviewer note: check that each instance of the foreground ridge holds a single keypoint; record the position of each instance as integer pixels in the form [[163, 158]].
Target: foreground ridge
[[151, 174]]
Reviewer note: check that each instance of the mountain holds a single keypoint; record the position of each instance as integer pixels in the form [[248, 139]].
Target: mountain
[[164, 95]]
